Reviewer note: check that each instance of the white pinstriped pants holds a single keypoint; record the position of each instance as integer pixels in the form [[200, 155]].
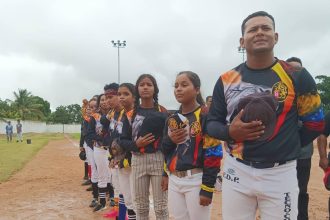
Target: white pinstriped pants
[[148, 168]]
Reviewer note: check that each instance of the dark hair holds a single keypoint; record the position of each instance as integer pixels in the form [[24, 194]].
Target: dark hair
[[294, 59], [256, 14], [207, 97], [95, 97], [137, 97], [195, 80], [99, 100], [113, 86], [130, 87]]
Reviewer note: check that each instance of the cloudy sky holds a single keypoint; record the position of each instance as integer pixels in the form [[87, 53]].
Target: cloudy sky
[[61, 50]]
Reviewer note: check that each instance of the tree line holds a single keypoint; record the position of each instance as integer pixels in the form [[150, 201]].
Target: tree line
[[26, 106]]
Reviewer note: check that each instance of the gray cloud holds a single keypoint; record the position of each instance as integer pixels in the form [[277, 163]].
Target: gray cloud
[[61, 50]]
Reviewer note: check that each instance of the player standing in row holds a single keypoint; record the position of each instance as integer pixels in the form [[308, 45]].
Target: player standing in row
[[126, 95], [263, 137], [86, 113], [192, 167], [143, 139], [98, 137], [90, 154], [114, 121]]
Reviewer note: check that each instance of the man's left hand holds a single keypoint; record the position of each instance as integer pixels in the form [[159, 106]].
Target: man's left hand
[[204, 201]]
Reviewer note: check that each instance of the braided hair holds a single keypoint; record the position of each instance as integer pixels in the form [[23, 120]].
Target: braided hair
[[137, 97]]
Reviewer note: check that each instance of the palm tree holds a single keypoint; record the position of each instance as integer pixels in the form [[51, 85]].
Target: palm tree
[[26, 105]]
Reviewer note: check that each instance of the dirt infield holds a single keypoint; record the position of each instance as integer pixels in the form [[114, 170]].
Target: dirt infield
[[48, 187]]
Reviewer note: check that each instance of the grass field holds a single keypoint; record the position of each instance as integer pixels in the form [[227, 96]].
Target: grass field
[[75, 136], [15, 155]]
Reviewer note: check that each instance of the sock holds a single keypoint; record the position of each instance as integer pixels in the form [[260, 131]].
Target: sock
[[122, 208], [86, 169], [102, 195], [131, 214], [110, 190], [95, 190], [89, 171]]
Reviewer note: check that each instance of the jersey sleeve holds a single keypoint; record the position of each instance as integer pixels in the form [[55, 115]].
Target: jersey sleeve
[[216, 120], [125, 139], [212, 155], [309, 107]]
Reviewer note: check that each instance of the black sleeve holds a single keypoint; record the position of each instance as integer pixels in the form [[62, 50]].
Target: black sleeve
[[105, 121], [125, 139], [216, 120], [91, 133], [81, 142]]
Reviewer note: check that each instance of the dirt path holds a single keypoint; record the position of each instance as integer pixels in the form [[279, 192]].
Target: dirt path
[[48, 187]]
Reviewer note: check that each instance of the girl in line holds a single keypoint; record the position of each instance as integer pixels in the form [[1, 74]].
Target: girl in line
[[193, 159], [121, 114], [86, 112], [114, 121], [92, 105], [97, 136], [147, 159]]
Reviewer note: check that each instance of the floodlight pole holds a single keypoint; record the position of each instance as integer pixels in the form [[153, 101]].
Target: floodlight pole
[[118, 44], [242, 51]]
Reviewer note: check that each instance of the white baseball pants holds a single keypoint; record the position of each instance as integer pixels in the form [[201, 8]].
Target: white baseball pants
[[115, 181], [94, 174], [102, 164], [273, 191], [183, 197], [124, 175]]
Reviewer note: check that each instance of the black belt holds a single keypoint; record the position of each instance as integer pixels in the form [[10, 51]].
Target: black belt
[[260, 165]]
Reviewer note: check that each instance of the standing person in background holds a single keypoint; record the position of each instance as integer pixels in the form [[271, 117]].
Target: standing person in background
[[19, 131], [193, 158], [255, 109], [9, 131], [143, 139], [208, 101], [304, 162], [324, 162]]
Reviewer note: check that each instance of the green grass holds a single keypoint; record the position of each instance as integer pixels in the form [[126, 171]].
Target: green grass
[[15, 155], [75, 136]]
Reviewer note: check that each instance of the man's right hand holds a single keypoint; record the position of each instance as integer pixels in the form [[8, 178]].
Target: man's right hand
[[323, 163], [241, 131]]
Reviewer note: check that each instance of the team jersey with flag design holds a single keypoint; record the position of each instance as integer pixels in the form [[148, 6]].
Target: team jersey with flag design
[[298, 100], [199, 151]]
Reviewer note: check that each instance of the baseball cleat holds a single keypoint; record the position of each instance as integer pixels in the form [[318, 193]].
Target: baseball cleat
[[99, 207], [94, 203]]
